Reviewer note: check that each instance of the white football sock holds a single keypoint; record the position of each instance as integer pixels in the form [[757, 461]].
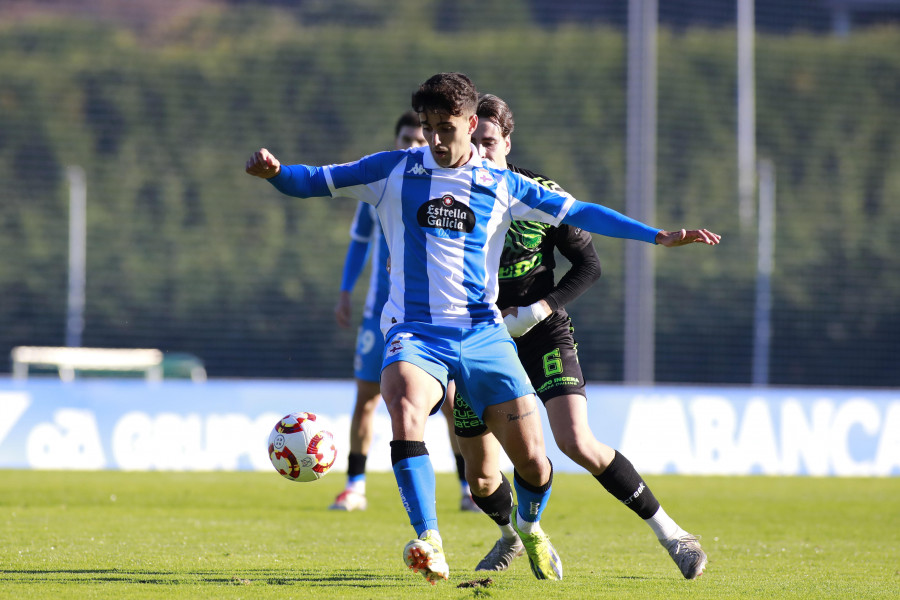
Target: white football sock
[[526, 526], [664, 527]]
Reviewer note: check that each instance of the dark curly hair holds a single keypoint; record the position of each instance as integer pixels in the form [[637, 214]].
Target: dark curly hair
[[451, 93], [495, 110]]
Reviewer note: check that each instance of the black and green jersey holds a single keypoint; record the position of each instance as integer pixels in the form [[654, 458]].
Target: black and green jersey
[[528, 260]]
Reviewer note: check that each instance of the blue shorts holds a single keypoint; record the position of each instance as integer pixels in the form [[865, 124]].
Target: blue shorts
[[369, 351], [482, 361]]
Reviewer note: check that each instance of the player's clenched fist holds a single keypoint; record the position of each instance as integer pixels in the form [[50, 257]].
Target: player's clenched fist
[[263, 164]]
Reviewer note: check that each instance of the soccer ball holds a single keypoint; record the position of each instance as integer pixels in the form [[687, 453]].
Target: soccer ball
[[300, 449]]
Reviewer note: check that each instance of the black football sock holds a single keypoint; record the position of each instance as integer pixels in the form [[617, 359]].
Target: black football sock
[[460, 468], [356, 464], [401, 449], [498, 505], [622, 481]]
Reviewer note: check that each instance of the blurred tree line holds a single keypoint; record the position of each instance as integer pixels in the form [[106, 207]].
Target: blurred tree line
[[188, 253]]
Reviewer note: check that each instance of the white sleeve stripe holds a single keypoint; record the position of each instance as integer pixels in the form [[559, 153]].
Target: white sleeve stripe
[[570, 200], [329, 181]]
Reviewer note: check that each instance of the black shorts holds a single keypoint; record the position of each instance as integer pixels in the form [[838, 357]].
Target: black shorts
[[465, 422], [549, 354]]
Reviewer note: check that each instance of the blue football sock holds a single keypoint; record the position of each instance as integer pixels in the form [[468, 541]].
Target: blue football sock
[[532, 499], [415, 478]]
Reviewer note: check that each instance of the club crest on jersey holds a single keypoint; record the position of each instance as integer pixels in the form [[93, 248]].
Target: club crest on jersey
[[394, 347], [396, 343], [484, 178], [446, 217]]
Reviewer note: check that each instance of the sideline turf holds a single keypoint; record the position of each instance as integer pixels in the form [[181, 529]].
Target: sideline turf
[[255, 535]]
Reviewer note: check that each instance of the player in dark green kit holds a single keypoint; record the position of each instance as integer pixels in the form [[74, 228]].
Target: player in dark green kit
[[533, 307]]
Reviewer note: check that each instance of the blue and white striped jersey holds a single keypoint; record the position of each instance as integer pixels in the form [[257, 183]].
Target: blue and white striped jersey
[[445, 227], [367, 230]]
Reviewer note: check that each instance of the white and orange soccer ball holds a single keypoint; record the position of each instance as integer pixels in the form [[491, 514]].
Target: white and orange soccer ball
[[300, 449]]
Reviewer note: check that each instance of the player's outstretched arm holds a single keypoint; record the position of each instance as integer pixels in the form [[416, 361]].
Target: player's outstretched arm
[[263, 164], [605, 221], [683, 237]]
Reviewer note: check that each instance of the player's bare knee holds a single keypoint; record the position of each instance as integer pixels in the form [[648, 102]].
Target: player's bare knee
[[407, 417], [573, 448], [483, 486], [395, 405], [535, 471]]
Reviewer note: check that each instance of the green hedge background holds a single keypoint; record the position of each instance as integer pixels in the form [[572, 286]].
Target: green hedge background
[[188, 253]]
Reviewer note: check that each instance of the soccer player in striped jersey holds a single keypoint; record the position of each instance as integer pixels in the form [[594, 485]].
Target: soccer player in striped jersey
[[367, 241], [445, 212], [534, 311]]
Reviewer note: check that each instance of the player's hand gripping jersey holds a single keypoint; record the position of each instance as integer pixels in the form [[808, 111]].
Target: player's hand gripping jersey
[[445, 227]]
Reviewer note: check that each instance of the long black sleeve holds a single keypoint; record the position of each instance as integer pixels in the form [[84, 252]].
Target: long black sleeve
[[577, 246]]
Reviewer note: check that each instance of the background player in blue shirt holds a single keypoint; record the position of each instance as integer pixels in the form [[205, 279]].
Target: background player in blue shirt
[[533, 305], [445, 212], [367, 241]]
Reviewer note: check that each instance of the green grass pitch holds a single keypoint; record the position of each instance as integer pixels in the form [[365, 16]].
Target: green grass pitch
[[255, 535]]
